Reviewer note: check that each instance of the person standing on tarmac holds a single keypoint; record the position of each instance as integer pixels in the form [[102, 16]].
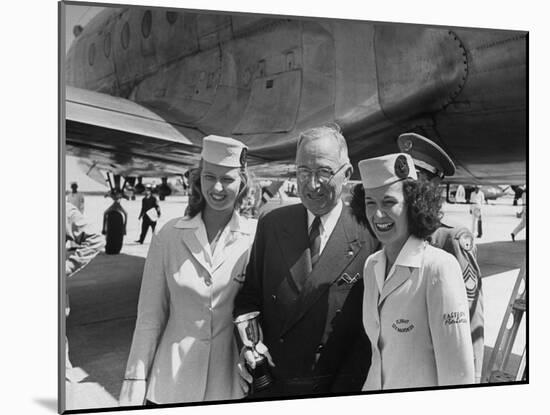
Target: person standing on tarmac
[[184, 348], [415, 307], [477, 198], [147, 203], [432, 162], [75, 198], [521, 225], [305, 278]]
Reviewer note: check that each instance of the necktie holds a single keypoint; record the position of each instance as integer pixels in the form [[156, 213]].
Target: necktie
[[315, 240]]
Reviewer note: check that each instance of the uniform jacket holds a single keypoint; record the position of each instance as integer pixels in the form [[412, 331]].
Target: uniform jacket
[[183, 342], [459, 242], [314, 334], [82, 242], [76, 199], [417, 320]]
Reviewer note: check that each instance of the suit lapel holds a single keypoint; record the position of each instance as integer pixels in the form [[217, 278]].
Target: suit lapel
[[294, 245], [340, 250]]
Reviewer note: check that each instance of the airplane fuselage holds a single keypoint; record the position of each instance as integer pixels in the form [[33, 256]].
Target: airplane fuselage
[[263, 80]]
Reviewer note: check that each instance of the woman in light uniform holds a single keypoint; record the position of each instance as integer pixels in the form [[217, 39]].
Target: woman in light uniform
[[183, 349], [415, 309]]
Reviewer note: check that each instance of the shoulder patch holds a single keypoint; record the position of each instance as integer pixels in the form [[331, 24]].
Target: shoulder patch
[[465, 239], [470, 281]]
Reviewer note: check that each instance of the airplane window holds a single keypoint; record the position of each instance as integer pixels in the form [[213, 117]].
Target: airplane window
[[146, 24], [91, 54], [107, 45], [125, 36], [171, 17]]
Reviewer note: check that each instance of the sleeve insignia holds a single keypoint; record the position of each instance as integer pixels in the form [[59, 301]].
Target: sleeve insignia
[[470, 281]]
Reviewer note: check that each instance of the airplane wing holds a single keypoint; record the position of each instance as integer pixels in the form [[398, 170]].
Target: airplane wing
[[120, 134], [146, 103]]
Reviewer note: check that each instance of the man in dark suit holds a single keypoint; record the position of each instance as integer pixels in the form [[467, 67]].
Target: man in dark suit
[[147, 203], [305, 277]]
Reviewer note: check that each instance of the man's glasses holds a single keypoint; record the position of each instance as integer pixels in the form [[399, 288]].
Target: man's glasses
[[322, 175]]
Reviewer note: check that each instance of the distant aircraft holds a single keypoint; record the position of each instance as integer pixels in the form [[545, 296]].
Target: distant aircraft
[[144, 85], [489, 191]]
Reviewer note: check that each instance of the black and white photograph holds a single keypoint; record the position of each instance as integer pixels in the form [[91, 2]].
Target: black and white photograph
[[263, 207], [269, 207]]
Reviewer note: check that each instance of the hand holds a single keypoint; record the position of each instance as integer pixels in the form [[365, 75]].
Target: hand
[[247, 357], [132, 392]]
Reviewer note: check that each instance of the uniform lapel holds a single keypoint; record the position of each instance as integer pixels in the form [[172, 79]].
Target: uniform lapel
[[400, 275], [340, 250], [235, 229], [409, 259], [195, 239], [294, 245]]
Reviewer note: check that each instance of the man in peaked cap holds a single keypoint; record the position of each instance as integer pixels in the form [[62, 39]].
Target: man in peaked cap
[[433, 163]]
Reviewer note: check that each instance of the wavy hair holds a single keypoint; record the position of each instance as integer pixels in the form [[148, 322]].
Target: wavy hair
[[197, 203], [423, 202]]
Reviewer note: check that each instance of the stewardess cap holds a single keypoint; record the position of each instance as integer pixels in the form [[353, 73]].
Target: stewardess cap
[[426, 154], [223, 151], [385, 170]]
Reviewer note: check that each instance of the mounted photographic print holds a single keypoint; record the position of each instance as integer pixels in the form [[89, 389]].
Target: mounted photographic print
[[264, 207]]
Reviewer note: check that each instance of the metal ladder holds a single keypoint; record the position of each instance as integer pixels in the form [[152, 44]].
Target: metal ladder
[[497, 370]]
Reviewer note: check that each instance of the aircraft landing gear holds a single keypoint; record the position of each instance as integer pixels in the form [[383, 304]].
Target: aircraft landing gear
[[114, 228], [164, 190]]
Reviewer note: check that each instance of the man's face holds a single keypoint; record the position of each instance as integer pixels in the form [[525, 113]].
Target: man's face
[[316, 162]]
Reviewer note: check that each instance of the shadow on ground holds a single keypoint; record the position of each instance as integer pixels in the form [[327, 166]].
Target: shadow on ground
[[502, 256], [48, 403], [103, 299]]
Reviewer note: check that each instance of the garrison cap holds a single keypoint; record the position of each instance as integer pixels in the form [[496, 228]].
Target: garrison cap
[[426, 154], [386, 170], [224, 151]]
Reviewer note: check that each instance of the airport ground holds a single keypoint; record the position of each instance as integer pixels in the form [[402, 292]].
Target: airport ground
[[103, 296]]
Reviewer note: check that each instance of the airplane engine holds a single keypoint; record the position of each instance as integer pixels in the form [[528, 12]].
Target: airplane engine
[[164, 189]]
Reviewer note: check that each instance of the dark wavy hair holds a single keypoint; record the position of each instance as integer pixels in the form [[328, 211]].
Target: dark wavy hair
[[423, 202], [197, 202]]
